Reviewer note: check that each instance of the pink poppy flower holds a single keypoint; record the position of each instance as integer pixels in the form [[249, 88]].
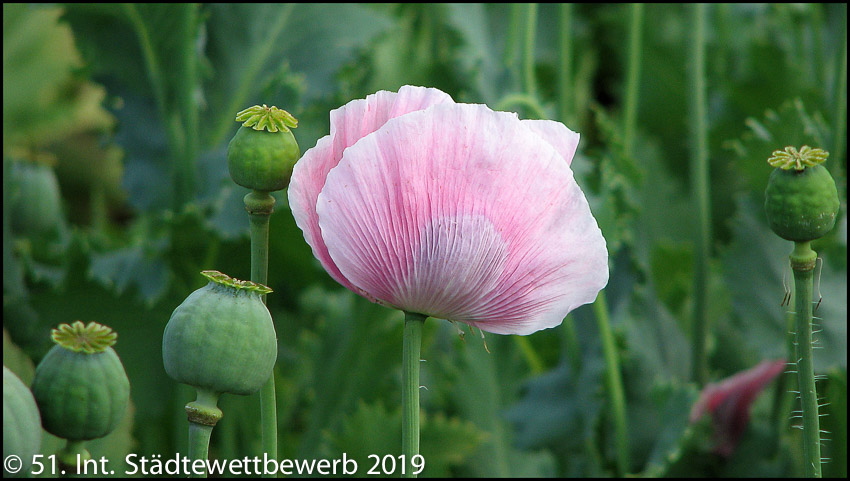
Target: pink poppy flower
[[729, 402], [451, 210]]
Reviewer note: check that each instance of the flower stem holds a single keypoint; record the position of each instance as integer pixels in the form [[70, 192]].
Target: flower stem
[[412, 346], [203, 415], [699, 185], [803, 260], [614, 383], [528, 49], [72, 455], [633, 77], [566, 93], [260, 206], [840, 122], [512, 41]]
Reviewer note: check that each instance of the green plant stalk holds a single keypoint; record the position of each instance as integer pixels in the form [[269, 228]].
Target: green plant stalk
[[528, 49], [840, 122], [565, 64], [534, 109], [260, 206], [203, 415], [187, 106], [570, 345], [699, 185], [633, 78], [512, 45], [72, 456], [199, 445], [411, 348], [803, 260], [614, 383], [257, 57], [535, 364]]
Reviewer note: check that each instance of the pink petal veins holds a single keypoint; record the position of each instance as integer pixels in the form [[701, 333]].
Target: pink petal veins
[[463, 213], [349, 123]]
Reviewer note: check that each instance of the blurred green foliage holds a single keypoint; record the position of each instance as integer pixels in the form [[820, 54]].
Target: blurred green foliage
[[133, 105]]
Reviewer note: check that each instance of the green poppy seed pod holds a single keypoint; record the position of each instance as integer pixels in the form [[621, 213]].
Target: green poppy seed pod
[[221, 338], [263, 152], [36, 204], [21, 425], [80, 386], [801, 200]]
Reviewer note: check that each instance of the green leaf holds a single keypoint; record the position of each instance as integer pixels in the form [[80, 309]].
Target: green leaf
[[42, 99], [789, 125], [250, 43], [667, 419], [372, 429]]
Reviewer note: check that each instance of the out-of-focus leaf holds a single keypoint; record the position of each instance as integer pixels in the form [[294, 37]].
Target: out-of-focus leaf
[[334, 366], [42, 100], [482, 390], [251, 43], [789, 124], [120, 269], [560, 408], [668, 423], [374, 430], [479, 52]]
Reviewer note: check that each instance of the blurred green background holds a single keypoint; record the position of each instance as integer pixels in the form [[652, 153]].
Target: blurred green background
[[131, 106]]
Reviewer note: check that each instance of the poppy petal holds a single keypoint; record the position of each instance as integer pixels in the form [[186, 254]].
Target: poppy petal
[[462, 213], [349, 123]]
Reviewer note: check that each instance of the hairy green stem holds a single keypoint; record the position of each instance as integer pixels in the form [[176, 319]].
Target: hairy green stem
[[633, 77], [530, 85], [260, 206], [411, 348], [699, 185], [803, 260], [614, 383]]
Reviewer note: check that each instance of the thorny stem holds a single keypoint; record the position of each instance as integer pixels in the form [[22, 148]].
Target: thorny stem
[[411, 350], [803, 260], [699, 185], [260, 206]]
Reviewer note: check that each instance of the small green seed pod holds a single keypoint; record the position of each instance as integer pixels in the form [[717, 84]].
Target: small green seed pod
[[21, 425], [801, 200], [263, 152], [80, 386], [221, 338], [36, 208]]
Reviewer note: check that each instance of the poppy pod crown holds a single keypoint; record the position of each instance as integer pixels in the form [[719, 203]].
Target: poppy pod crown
[[451, 210]]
